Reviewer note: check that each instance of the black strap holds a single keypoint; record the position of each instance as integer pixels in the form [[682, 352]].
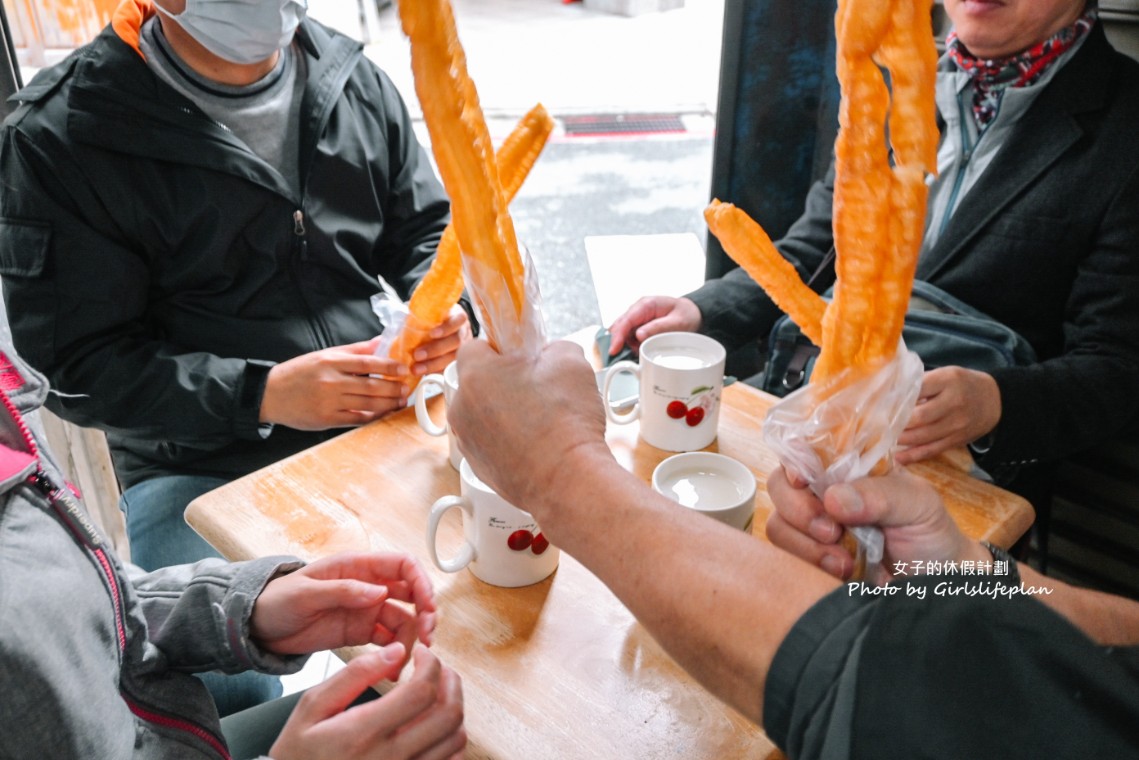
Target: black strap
[[824, 265], [797, 368]]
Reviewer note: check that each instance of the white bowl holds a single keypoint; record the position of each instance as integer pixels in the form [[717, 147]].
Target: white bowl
[[717, 485]]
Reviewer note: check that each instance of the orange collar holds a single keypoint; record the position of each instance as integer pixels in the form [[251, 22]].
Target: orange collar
[[128, 20]]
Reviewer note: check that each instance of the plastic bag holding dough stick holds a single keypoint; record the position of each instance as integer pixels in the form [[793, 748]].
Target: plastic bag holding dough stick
[[503, 288]]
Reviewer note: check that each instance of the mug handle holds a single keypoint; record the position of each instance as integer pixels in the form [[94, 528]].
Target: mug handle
[[612, 372], [465, 555], [421, 414]]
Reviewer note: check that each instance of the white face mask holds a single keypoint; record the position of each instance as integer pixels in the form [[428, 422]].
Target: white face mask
[[241, 31]]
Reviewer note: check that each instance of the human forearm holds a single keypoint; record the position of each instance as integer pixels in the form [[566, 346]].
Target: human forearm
[[196, 399], [722, 618], [198, 615], [1107, 619]]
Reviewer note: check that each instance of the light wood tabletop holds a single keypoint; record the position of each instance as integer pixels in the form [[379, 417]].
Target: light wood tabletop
[[559, 669]]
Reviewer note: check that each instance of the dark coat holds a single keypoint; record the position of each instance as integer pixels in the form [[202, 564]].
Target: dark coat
[[1047, 242], [155, 268]]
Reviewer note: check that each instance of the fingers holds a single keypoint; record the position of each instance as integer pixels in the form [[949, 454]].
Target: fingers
[[801, 526], [349, 594], [832, 558], [957, 406], [645, 318], [915, 454], [636, 315], [456, 322], [439, 734], [435, 356], [800, 509], [352, 360], [407, 701], [402, 574], [334, 695]]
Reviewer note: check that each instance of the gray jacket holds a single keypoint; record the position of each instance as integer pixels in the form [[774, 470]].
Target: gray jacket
[[96, 656]]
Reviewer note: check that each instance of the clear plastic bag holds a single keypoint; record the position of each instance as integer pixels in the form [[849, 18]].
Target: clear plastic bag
[[843, 430], [393, 315], [506, 330], [493, 306]]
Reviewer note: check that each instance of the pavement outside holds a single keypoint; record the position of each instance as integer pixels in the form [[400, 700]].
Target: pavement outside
[[580, 62]]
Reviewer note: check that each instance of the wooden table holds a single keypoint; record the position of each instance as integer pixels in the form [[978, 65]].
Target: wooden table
[[557, 670]]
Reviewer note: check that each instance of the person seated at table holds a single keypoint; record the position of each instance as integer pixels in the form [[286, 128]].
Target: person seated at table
[[1031, 220], [828, 670], [97, 656], [199, 205]]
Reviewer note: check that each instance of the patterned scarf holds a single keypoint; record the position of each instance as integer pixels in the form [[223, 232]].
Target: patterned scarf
[[992, 76]]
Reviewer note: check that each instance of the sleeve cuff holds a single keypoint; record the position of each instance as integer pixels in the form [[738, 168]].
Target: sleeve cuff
[[247, 423], [247, 585]]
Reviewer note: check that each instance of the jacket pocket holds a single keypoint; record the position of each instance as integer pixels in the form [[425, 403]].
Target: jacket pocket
[[23, 247], [1036, 228]]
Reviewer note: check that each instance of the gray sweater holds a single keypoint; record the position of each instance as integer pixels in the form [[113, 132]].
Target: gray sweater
[[96, 656]]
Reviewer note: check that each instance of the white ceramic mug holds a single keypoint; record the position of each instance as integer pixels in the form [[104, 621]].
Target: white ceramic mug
[[502, 544], [449, 383], [681, 378], [711, 483]]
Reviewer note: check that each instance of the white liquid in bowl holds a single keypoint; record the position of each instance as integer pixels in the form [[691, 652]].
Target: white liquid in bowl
[[703, 489]]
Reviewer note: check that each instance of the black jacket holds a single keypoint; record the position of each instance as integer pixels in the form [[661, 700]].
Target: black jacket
[[154, 268], [1046, 242]]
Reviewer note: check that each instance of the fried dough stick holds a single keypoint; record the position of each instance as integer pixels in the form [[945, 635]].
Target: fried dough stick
[[751, 248]]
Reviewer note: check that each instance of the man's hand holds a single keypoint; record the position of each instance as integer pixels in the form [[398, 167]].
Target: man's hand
[[334, 387], [443, 343], [956, 406], [524, 422], [911, 515], [345, 600], [421, 718], [652, 315]]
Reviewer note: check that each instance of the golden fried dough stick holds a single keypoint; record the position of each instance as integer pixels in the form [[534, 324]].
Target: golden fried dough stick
[[879, 211], [912, 62], [860, 27], [443, 284], [751, 248], [913, 134], [907, 199], [860, 181], [462, 147]]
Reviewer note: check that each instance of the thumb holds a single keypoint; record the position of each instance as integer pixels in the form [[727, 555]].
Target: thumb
[[896, 499]]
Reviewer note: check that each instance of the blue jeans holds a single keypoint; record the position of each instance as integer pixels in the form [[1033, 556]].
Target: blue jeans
[[160, 537]]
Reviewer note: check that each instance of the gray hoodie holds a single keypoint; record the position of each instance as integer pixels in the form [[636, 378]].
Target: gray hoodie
[[96, 656]]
